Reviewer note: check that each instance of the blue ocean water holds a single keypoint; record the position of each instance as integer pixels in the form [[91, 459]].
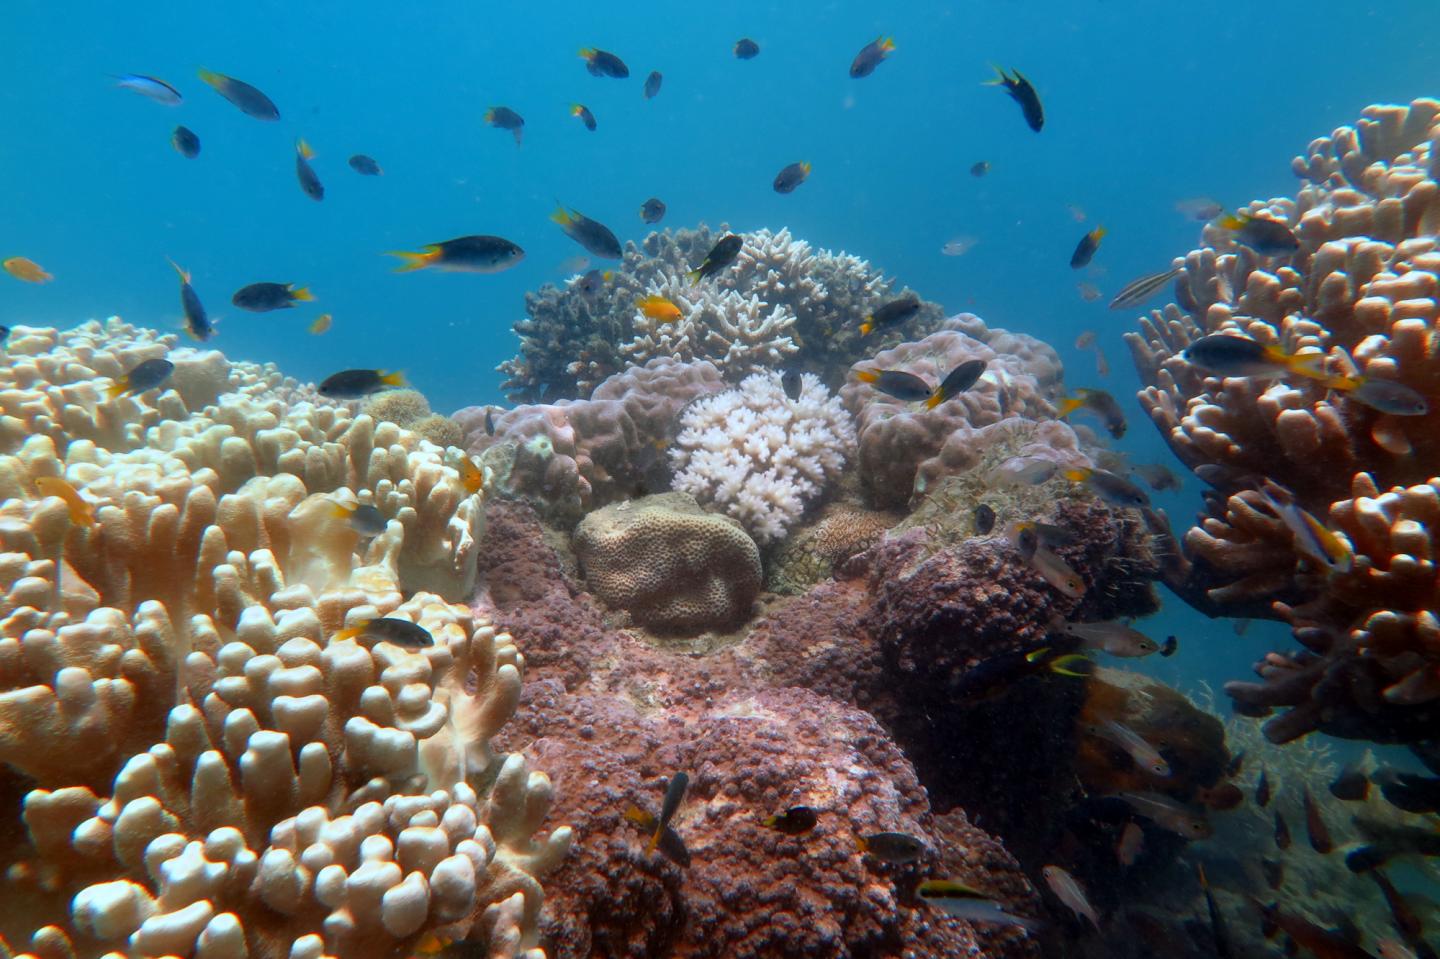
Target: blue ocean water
[[1147, 104]]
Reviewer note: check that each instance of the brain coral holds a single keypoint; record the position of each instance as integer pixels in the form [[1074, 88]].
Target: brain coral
[[1363, 289], [669, 564], [760, 456], [205, 773]]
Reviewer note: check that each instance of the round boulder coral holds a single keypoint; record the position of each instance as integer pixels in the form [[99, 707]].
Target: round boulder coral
[[404, 408], [440, 430], [672, 566]]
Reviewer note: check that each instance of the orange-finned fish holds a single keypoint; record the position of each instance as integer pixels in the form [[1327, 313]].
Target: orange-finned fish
[[82, 512], [464, 254], [791, 177], [957, 381], [1224, 354], [891, 314], [471, 475], [674, 795], [197, 322], [145, 375], [27, 270], [583, 112], [1261, 234], [795, 821], [363, 518], [1312, 538], [504, 118], [671, 846], [305, 173], [387, 629], [658, 308], [1111, 488]]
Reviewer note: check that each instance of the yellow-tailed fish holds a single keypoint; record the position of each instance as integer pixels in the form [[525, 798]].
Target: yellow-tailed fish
[[387, 629], [1312, 538], [1265, 236], [1240, 356], [1099, 402], [81, 510], [674, 795]]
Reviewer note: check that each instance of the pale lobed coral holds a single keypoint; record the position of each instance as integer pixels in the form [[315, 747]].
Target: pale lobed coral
[[212, 777], [1363, 289], [760, 456]]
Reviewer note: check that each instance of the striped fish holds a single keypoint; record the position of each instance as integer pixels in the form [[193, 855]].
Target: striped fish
[[1138, 291]]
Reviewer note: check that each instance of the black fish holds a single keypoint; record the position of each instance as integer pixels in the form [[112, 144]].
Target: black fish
[[593, 235], [305, 173], [364, 519], [1262, 789], [4, 333], [674, 796], [1282, 832], [250, 100], [197, 322], [1021, 91], [957, 381], [1315, 827], [984, 519], [1274, 871], [870, 57], [1352, 785], [981, 168], [652, 210], [746, 49], [399, 632], [1265, 236], [464, 254], [489, 422], [185, 141], [1409, 791], [1218, 932], [671, 846], [795, 821], [1170, 646], [792, 382], [602, 63], [504, 118], [896, 383], [145, 375], [364, 165], [353, 384], [264, 297], [1235, 765], [792, 176], [1085, 249], [891, 314], [586, 117], [652, 84], [721, 255]]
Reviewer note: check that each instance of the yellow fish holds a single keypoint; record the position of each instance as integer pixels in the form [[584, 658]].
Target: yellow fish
[[27, 270], [658, 308], [321, 324], [82, 512], [471, 475]]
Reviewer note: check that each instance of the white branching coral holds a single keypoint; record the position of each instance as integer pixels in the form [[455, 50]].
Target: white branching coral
[[738, 332], [760, 456]]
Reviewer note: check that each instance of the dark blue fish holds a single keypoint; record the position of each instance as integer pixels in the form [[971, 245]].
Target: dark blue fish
[[197, 322], [1023, 93], [746, 49], [185, 140], [305, 173], [652, 210], [249, 99], [152, 88], [602, 63], [504, 118], [364, 165], [652, 84]]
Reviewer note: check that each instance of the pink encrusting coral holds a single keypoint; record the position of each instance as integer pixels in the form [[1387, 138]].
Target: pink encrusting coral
[[1363, 289]]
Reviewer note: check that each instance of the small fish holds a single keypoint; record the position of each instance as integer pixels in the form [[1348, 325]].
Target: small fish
[[305, 173], [1158, 476], [1085, 249], [1089, 292], [791, 177], [1057, 572], [1069, 891], [489, 422], [1076, 213], [321, 324], [583, 112], [1406, 919], [4, 333], [1315, 828], [795, 821], [1352, 784], [897, 848], [1387, 396], [1066, 664], [1169, 647], [152, 88], [652, 84], [185, 142], [870, 56], [652, 210], [592, 283], [1112, 637], [959, 246], [365, 165], [1168, 814], [792, 383], [980, 169], [1025, 538], [1139, 290], [1262, 789], [1282, 832], [674, 795], [1324, 943], [960, 901], [594, 236], [387, 629], [1408, 791], [465, 254], [1240, 356], [1145, 755], [658, 308], [721, 255], [1274, 872], [1023, 471], [1023, 93], [1102, 366], [264, 297], [891, 314], [197, 322], [671, 846], [1265, 236], [27, 270], [81, 510], [1312, 538], [1099, 402], [353, 384], [1131, 844], [1200, 208], [504, 118], [746, 49], [896, 383], [1235, 764], [601, 63], [1111, 488], [363, 519], [1218, 932], [984, 517], [146, 375], [957, 381], [250, 100]]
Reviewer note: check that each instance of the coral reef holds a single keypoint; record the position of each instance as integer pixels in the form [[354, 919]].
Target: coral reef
[[905, 449], [780, 298], [840, 530], [410, 410], [672, 566], [760, 456], [1362, 289], [209, 775]]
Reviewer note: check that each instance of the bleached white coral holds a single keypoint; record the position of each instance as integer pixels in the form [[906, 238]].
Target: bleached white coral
[[759, 455], [736, 331]]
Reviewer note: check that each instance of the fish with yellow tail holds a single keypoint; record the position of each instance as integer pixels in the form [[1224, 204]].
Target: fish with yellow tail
[[892, 314], [671, 846], [388, 629], [1022, 91], [897, 848], [674, 795], [721, 255], [1261, 234], [464, 254], [363, 518], [146, 375], [80, 510], [1112, 489], [197, 322], [957, 381], [1085, 250], [657, 307], [960, 901], [305, 173], [1313, 539], [355, 384], [1224, 354], [1098, 402], [594, 236], [897, 383]]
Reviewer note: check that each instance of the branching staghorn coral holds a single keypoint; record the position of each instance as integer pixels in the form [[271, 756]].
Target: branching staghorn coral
[[1363, 289], [210, 775]]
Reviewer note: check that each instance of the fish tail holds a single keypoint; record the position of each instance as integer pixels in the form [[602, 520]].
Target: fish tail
[[1002, 79], [805, 165], [415, 261], [1069, 405], [770, 821], [867, 326], [1072, 665], [562, 216], [1098, 233], [654, 839], [184, 277], [575, 109], [1077, 474], [866, 376], [350, 632], [936, 398], [1233, 221], [636, 815], [303, 148], [695, 276], [1310, 365], [396, 379], [587, 52], [340, 510], [887, 44], [210, 77], [861, 845], [303, 295], [118, 387]]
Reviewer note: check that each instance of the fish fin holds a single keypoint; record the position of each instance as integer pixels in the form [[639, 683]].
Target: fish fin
[[936, 398], [1078, 474], [1001, 79], [1233, 221], [575, 109], [1035, 655], [1073, 665], [654, 839], [1069, 405], [867, 326], [562, 216], [770, 821], [341, 511], [114, 390], [415, 261], [637, 815], [303, 148], [861, 845], [1098, 233], [184, 276], [350, 632], [694, 276], [805, 165], [303, 295], [396, 379], [887, 44], [866, 376], [587, 52], [1311, 365]]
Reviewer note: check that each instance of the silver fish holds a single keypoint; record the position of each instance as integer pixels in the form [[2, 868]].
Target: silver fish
[[1069, 891], [1139, 290]]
